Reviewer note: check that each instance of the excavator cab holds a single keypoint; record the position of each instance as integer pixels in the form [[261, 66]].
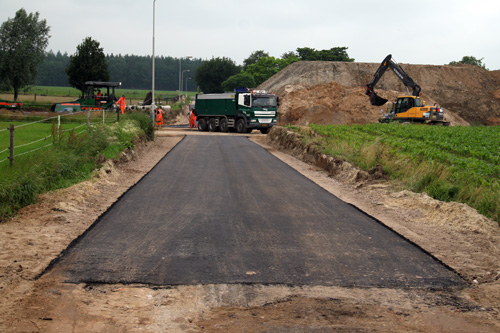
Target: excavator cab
[[405, 103]]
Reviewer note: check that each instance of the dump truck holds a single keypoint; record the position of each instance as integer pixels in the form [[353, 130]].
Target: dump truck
[[241, 111], [406, 108]]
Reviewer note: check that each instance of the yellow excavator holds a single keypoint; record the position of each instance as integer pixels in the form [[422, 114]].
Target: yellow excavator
[[407, 108]]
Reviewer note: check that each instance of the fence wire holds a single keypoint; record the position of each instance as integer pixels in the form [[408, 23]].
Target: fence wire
[[86, 123]]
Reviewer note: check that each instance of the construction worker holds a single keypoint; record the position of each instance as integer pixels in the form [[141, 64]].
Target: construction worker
[[192, 119], [98, 98], [159, 116], [121, 103]]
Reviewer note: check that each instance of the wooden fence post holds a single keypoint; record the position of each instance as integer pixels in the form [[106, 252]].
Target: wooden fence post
[[11, 156], [88, 118], [58, 128]]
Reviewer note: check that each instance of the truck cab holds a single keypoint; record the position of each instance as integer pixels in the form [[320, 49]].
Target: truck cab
[[259, 109]]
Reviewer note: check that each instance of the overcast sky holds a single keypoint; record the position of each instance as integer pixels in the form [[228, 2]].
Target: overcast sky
[[417, 32]]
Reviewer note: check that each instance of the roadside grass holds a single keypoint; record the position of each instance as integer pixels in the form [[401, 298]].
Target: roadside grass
[[73, 158], [27, 131], [459, 164], [49, 117]]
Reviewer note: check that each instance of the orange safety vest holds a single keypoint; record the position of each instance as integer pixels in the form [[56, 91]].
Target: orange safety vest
[[192, 120], [121, 102], [159, 117]]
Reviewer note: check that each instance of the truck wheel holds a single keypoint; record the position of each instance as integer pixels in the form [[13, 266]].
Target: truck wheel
[[241, 126], [202, 125], [223, 125], [211, 125], [265, 130]]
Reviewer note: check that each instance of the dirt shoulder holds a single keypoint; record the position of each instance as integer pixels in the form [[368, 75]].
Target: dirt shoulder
[[453, 233]]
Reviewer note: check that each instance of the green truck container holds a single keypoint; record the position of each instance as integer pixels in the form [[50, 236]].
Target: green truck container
[[241, 111]]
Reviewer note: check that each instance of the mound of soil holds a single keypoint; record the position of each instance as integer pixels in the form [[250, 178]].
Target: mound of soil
[[333, 92]]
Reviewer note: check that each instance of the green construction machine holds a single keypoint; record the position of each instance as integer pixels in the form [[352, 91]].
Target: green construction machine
[[10, 105], [97, 96]]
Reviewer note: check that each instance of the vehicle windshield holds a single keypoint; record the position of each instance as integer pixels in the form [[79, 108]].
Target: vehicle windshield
[[264, 101]]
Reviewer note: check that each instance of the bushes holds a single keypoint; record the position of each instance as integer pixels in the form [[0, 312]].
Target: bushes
[[71, 160]]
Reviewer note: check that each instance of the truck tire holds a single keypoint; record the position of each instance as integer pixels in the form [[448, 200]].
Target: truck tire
[[223, 125], [241, 126], [202, 125], [211, 125]]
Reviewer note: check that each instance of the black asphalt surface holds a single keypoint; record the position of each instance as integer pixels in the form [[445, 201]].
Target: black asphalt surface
[[221, 209]]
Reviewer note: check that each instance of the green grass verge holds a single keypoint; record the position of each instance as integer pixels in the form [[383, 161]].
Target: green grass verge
[[459, 164], [72, 159]]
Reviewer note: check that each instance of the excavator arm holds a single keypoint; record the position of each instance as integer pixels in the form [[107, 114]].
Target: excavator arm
[[388, 62]]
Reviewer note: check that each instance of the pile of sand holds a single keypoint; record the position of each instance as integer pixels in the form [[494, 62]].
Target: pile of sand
[[333, 92]]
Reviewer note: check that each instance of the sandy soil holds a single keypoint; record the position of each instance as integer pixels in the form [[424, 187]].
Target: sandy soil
[[467, 93], [333, 103], [454, 233]]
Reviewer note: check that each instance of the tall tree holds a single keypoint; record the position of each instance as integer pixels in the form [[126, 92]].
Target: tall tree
[[87, 64], [240, 80], [266, 67], [212, 73], [252, 59], [23, 40]]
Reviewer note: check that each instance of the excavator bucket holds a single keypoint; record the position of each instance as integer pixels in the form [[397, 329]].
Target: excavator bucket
[[376, 99]]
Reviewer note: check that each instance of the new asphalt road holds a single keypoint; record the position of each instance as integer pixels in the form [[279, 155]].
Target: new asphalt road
[[221, 209]]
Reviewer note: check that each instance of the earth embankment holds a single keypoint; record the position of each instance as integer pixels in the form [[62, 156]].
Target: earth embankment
[[333, 92]]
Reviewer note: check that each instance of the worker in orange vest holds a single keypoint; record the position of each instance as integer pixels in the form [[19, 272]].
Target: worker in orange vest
[[121, 103], [192, 119], [98, 98], [159, 117]]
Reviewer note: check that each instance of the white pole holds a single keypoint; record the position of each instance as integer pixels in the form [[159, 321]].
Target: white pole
[[188, 78], [152, 114], [182, 77], [180, 83]]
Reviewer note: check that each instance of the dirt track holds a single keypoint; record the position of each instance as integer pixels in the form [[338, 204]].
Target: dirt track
[[454, 233]]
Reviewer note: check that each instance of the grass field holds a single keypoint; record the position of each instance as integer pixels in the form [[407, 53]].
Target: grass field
[[58, 94], [449, 163], [29, 135], [72, 159]]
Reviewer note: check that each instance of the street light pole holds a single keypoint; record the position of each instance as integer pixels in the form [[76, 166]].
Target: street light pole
[[180, 75], [152, 115], [188, 78]]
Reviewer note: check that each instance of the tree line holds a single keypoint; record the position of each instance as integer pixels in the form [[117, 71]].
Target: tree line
[[222, 74], [134, 72]]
